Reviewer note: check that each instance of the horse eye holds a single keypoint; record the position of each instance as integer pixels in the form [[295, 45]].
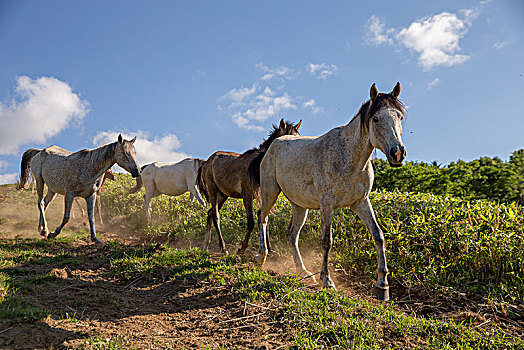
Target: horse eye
[[375, 119]]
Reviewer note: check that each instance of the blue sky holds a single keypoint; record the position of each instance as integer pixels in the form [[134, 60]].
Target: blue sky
[[190, 78]]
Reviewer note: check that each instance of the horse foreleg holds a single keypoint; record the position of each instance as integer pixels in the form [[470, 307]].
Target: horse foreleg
[[90, 202], [68, 204], [326, 215], [194, 192], [296, 224], [248, 205], [147, 206], [367, 215]]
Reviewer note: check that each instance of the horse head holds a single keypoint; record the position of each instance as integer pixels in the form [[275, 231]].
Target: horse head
[[125, 156], [384, 115]]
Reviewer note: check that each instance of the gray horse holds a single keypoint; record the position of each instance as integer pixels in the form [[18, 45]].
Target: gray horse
[[73, 175], [333, 171]]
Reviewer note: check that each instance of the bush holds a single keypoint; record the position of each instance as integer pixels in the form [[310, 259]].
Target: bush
[[437, 240]]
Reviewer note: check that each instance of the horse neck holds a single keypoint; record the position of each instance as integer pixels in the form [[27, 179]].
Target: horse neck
[[103, 158], [356, 140]]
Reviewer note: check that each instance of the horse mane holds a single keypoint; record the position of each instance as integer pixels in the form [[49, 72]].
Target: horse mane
[[254, 167], [274, 133], [96, 155], [382, 100]]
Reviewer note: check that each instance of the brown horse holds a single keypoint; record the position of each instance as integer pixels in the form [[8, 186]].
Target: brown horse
[[225, 174]]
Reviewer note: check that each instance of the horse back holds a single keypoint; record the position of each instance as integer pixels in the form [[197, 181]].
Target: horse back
[[227, 171], [307, 168]]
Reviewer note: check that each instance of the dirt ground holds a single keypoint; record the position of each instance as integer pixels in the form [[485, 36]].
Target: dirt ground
[[87, 301]]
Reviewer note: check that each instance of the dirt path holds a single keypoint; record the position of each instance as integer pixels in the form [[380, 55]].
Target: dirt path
[[88, 301]]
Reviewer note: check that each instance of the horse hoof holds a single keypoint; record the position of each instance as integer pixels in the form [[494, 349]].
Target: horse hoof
[[382, 293], [96, 241], [308, 276], [50, 235], [260, 259], [330, 285]]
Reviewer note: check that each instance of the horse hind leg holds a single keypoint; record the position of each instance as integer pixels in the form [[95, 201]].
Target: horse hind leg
[[42, 206], [269, 191], [248, 205], [297, 222], [221, 198], [68, 201]]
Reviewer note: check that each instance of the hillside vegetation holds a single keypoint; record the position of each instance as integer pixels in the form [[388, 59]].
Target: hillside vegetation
[[456, 278], [483, 178], [432, 240]]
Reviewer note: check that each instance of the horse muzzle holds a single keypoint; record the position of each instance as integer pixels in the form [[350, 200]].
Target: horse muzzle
[[396, 156]]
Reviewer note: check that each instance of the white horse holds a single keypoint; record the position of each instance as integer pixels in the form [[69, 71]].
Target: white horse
[[73, 175], [171, 179], [333, 171]]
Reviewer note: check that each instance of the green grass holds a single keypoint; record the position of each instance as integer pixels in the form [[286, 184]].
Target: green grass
[[314, 319]]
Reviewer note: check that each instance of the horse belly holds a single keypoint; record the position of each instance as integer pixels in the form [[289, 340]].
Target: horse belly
[[170, 184]]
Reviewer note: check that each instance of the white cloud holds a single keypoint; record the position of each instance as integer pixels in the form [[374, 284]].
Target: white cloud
[[435, 39], [281, 72], [375, 34], [257, 106], [433, 83], [148, 150], [499, 45], [311, 104], [8, 178], [44, 108], [322, 70]]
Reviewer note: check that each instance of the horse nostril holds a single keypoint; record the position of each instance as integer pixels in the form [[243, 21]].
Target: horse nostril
[[392, 153]]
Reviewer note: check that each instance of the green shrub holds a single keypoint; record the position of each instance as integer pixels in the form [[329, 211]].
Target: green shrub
[[436, 240]]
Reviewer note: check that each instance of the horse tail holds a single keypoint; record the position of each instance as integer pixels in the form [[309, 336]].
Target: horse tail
[[254, 173], [25, 167], [138, 182], [202, 188]]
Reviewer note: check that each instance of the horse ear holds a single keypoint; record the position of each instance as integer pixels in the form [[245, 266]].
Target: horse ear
[[120, 139], [373, 92], [298, 125], [396, 90], [133, 140], [282, 124]]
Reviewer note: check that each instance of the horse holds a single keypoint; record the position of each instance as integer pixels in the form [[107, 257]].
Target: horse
[[333, 171], [73, 175], [107, 175], [171, 179], [225, 174]]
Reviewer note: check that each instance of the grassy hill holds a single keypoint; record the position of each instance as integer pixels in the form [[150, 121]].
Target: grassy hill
[[456, 278]]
